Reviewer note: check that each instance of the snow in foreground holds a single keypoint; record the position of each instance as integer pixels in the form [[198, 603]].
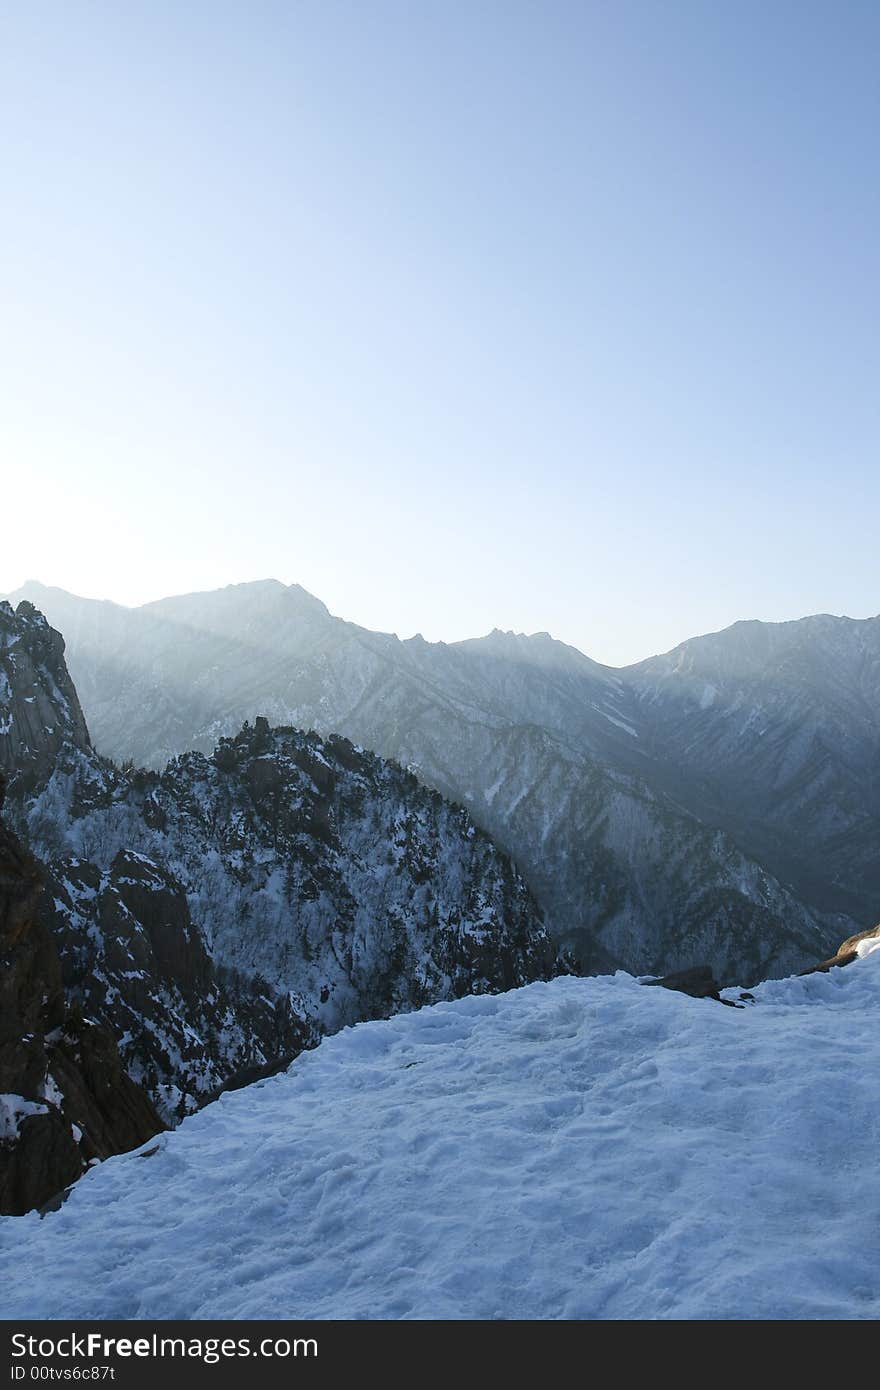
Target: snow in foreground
[[580, 1149]]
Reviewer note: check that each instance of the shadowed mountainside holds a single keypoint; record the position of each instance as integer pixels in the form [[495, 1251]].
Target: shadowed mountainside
[[65, 1099]]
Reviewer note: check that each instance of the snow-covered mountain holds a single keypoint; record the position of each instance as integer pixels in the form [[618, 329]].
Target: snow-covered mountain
[[226, 912], [646, 814], [772, 730], [585, 1148], [309, 863], [132, 957]]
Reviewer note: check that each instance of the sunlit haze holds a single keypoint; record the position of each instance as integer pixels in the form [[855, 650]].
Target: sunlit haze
[[539, 316]]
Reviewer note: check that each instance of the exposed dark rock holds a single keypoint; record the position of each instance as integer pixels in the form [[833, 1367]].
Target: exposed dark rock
[[134, 960], [43, 1160], [116, 1114], [156, 900], [31, 995], [698, 981], [66, 1100], [40, 709], [846, 952]]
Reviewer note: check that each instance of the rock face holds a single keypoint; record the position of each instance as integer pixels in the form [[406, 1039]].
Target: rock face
[[848, 951], [65, 1099], [656, 822], [310, 865], [39, 709], [221, 916], [132, 958], [698, 982]]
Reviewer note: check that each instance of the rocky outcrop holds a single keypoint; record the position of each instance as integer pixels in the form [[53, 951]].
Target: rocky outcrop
[[847, 951], [145, 907], [65, 1099], [133, 959], [39, 709], [698, 981], [311, 866]]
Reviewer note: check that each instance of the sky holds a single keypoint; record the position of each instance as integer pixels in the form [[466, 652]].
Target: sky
[[460, 313]]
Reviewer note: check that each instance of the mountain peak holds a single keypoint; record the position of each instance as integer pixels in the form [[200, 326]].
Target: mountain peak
[[39, 708], [253, 610], [34, 591], [303, 596], [540, 649]]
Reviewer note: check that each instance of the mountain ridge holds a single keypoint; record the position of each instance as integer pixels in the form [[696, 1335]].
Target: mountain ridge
[[582, 773], [36, 587], [220, 916]]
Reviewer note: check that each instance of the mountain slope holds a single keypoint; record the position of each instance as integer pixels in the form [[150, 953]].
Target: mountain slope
[[326, 872], [133, 959], [773, 731], [580, 1149], [222, 915], [557, 757]]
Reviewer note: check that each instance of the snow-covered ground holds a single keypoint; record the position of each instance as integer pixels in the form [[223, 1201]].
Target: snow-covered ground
[[581, 1149]]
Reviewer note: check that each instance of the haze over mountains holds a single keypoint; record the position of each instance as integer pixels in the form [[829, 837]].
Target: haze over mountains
[[721, 802], [221, 912], [219, 917]]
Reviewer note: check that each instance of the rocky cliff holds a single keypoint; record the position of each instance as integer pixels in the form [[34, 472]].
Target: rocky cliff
[[332, 876], [132, 958], [39, 710], [65, 1099], [225, 913]]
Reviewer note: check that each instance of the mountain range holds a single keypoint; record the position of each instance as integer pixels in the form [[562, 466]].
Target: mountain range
[[220, 916], [720, 802], [205, 923]]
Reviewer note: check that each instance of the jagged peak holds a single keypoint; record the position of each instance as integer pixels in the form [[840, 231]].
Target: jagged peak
[[297, 591], [540, 648], [39, 709], [29, 613], [25, 623]]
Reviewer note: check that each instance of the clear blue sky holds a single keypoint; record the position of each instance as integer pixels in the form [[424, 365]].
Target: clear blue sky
[[531, 315]]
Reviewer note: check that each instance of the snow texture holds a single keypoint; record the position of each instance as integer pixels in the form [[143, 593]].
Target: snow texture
[[586, 1148]]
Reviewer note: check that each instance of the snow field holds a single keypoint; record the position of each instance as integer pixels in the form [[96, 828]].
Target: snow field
[[586, 1148]]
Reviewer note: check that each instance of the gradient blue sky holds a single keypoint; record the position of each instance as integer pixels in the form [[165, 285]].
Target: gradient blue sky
[[531, 315]]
